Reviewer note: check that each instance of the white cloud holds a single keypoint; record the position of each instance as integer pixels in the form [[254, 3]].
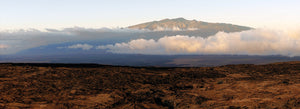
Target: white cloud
[[19, 40], [81, 46], [252, 42], [2, 46]]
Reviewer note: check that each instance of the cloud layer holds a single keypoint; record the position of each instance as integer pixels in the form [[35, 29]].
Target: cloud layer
[[2, 46], [81, 46], [12, 42], [252, 42]]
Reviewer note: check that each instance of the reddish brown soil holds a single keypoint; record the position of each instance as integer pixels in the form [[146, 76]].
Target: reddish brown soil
[[53, 86]]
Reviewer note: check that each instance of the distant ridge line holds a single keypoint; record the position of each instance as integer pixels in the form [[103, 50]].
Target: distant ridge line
[[75, 65], [178, 24], [93, 65], [80, 65]]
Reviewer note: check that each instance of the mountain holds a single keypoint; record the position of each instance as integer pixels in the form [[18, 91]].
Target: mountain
[[180, 24]]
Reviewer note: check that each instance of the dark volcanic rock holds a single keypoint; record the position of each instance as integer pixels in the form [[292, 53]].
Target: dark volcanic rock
[[96, 86]]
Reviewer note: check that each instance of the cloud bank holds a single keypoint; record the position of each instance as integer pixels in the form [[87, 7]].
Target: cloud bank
[[81, 46], [2, 46], [252, 42], [14, 41]]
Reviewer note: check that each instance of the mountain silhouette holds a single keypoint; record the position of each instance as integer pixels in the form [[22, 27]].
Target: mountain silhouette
[[181, 24]]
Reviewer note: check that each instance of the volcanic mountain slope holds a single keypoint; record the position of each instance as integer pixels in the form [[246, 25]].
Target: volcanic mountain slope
[[183, 24], [53, 86]]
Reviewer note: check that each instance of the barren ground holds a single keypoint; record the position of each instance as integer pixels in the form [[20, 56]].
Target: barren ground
[[94, 86]]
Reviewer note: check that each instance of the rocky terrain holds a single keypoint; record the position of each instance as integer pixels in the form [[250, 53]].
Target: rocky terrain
[[59, 86]]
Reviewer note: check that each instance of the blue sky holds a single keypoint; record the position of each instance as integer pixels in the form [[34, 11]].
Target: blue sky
[[39, 14]]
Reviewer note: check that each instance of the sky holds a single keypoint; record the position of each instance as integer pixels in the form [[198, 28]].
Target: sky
[[58, 14]]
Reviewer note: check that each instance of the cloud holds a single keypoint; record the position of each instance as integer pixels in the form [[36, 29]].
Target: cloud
[[252, 42], [2, 46], [19, 40], [81, 46]]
